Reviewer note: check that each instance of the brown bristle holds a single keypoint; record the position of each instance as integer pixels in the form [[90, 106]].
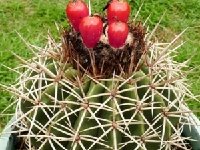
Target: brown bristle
[[103, 60]]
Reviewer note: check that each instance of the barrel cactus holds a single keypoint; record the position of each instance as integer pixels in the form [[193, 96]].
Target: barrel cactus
[[70, 97]]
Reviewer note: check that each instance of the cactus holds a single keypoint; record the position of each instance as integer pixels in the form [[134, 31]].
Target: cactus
[[73, 98]]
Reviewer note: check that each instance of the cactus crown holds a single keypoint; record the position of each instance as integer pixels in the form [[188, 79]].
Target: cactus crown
[[103, 60]]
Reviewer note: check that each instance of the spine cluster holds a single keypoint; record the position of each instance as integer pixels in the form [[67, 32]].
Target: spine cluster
[[57, 108]]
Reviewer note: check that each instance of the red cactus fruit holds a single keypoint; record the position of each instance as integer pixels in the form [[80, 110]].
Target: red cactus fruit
[[76, 10], [118, 11], [117, 34], [91, 29]]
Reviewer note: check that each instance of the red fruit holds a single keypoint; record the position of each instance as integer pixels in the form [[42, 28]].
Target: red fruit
[[76, 10], [118, 11], [117, 34], [91, 29]]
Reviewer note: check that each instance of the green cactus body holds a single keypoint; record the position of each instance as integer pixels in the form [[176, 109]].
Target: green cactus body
[[111, 114], [74, 98]]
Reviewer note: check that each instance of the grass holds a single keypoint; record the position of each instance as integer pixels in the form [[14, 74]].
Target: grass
[[33, 18]]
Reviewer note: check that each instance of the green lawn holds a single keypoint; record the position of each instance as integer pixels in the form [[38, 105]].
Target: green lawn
[[33, 18]]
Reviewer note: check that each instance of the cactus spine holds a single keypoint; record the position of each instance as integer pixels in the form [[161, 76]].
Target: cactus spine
[[72, 98]]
